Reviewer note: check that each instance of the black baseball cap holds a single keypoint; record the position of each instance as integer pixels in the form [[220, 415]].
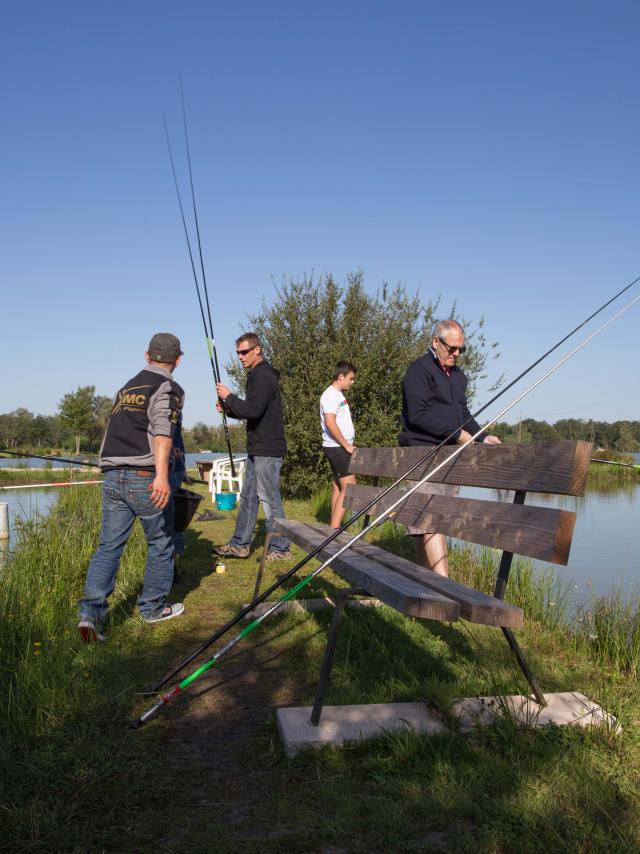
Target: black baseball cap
[[164, 347]]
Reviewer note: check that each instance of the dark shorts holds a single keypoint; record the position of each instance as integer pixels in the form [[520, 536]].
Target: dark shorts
[[339, 460]]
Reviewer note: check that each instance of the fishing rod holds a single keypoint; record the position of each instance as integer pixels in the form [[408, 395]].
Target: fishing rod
[[390, 511], [73, 462], [211, 339], [363, 512], [208, 330], [42, 485], [615, 463], [50, 459]]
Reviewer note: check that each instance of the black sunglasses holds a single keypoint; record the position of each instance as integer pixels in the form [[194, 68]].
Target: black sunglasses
[[244, 352], [451, 350]]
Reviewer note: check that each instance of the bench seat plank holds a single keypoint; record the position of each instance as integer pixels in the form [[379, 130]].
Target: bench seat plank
[[557, 467], [540, 532], [402, 593], [362, 563], [475, 606]]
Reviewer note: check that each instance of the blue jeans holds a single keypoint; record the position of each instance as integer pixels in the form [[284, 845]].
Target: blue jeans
[[125, 496], [261, 484], [175, 479]]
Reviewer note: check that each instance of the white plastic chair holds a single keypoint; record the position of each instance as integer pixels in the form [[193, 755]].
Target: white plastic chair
[[221, 474], [212, 475]]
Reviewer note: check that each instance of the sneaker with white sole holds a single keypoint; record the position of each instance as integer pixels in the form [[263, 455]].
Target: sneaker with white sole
[[231, 551], [286, 555], [167, 613], [90, 632]]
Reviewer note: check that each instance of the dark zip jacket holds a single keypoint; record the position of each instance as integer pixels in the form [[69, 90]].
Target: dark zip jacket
[[433, 404], [262, 409]]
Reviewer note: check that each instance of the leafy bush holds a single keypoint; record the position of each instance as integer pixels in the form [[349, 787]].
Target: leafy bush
[[311, 325]]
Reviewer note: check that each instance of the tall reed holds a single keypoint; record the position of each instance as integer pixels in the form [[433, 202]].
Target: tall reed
[[40, 585]]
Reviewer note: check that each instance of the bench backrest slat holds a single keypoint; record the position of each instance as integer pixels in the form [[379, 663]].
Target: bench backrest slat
[[538, 532], [556, 467]]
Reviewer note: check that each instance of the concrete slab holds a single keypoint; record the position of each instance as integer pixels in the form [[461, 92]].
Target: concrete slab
[[357, 723], [351, 723], [299, 606], [567, 708]]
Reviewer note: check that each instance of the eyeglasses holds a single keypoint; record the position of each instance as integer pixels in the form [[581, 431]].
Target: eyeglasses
[[451, 350], [244, 352]]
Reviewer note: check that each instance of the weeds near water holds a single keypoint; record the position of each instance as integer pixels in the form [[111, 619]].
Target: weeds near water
[[609, 628], [39, 589]]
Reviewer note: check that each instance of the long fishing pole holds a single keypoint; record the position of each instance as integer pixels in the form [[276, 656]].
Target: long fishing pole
[[49, 459], [209, 336], [390, 511], [73, 462], [615, 463], [279, 582], [212, 360]]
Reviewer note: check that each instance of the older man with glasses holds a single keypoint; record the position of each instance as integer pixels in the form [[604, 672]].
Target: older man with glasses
[[434, 406], [266, 448]]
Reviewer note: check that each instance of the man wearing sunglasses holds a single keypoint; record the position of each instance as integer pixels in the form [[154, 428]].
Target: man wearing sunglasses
[[434, 406], [266, 447]]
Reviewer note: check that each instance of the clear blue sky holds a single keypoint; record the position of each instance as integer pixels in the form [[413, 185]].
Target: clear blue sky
[[487, 152]]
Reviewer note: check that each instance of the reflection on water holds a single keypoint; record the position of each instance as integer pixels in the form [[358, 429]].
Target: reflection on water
[[605, 551]]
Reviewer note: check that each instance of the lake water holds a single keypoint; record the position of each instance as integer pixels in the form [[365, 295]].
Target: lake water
[[24, 503], [605, 551]]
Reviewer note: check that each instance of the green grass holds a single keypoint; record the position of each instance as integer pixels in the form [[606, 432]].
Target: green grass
[[208, 774], [45, 475]]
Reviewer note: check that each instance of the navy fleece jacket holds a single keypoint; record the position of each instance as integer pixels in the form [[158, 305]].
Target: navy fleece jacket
[[433, 404]]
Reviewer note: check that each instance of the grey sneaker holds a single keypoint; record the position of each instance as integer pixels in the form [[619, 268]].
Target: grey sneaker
[[286, 555], [90, 632], [167, 613], [231, 551]]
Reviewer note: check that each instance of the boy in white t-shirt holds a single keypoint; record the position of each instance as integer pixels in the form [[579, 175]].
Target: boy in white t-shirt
[[338, 435]]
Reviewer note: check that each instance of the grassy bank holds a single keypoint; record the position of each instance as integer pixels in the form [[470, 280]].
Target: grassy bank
[[24, 475], [209, 774]]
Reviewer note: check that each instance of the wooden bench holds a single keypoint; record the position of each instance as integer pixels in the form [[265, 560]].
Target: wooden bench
[[557, 468]]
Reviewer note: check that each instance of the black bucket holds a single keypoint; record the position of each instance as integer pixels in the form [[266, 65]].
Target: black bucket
[[185, 503]]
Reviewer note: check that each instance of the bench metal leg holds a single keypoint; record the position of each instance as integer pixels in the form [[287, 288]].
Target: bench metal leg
[[522, 661], [327, 664], [267, 540], [501, 586]]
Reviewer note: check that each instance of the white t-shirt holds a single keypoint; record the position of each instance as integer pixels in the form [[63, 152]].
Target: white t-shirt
[[333, 401]]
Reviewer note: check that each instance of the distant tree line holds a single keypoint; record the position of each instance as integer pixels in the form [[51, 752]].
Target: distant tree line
[[311, 324], [81, 421], [618, 435]]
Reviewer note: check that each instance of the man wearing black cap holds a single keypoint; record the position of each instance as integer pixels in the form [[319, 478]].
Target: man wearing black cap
[[136, 458]]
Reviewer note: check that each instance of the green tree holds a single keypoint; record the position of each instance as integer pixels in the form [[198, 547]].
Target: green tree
[[311, 325], [103, 405], [625, 440], [78, 410]]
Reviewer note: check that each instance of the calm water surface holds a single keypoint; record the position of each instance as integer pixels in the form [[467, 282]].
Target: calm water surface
[[605, 550]]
